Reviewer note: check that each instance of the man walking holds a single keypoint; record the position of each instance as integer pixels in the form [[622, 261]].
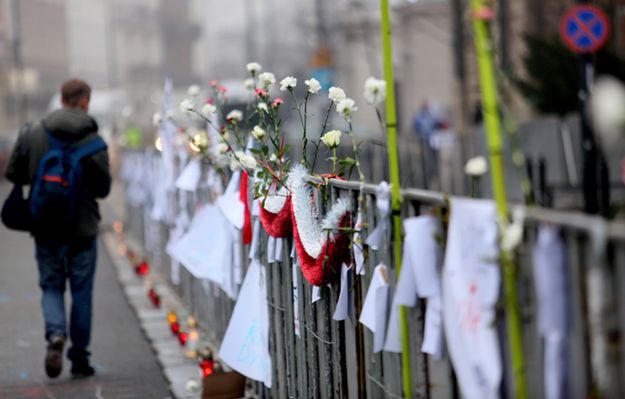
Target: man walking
[[66, 251]]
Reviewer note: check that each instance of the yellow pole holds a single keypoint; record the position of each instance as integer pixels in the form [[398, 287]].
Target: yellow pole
[[484, 48], [391, 145]]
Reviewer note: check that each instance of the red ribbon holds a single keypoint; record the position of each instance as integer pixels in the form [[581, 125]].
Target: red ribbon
[[247, 221]]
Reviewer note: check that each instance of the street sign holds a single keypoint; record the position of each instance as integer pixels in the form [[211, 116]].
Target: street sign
[[585, 28]]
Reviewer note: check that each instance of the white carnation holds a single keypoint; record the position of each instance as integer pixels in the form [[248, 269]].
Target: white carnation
[[336, 94], [346, 107], [375, 91], [266, 79], [247, 161], [208, 110], [193, 90], [313, 85], [288, 83], [249, 83], [262, 106], [186, 106], [273, 158], [476, 166], [253, 68], [258, 133], [221, 148], [332, 138], [235, 115]]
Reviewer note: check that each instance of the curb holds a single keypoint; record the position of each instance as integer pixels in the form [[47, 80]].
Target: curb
[[177, 369]]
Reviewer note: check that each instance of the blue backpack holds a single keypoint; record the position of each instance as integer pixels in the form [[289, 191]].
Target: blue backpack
[[55, 191]]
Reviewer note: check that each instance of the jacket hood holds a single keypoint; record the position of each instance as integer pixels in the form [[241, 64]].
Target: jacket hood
[[70, 124]]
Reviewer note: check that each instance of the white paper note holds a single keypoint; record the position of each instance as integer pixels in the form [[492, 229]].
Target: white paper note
[[433, 334], [358, 246], [374, 308], [296, 324], [470, 287], [344, 303], [190, 176], [230, 203], [392, 341], [422, 250], [245, 346], [316, 293]]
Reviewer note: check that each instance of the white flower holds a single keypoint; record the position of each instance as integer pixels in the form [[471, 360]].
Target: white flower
[[193, 90], [607, 104], [258, 133], [512, 234], [313, 85], [225, 135], [186, 106], [375, 90], [208, 110], [476, 166], [332, 138], [346, 107], [262, 106], [273, 158], [157, 119], [266, 79], [192, 386], [288, 83], [235, 115], [249, 83], [253, 68], [221, 148], [336, 94], [247, 161]]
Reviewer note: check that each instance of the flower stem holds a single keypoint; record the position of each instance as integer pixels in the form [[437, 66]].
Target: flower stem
[[323, 128]]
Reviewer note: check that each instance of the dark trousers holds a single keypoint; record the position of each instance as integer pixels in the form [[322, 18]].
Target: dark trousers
[[60, 261]]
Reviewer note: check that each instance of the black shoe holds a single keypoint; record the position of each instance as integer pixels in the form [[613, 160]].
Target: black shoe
[[54, 356], [82, 369]]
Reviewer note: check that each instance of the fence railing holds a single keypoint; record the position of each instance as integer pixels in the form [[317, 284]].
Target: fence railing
[[331, 359]]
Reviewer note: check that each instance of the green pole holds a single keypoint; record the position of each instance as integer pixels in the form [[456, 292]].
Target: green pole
[[393, 163], [484, 48]]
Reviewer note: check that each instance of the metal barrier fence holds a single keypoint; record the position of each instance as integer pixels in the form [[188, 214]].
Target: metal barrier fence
[[333, 359]]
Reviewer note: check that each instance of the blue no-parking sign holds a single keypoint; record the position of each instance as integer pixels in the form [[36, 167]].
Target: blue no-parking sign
[[585, 28]]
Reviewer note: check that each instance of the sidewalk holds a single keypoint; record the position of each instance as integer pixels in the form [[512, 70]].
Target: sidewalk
[[125, 364]]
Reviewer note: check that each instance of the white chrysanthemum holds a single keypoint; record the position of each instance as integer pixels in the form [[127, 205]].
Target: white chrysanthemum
[[254, 68], [193, 90], [249, 83], [235, 115], [375, 91], [332, 138], [247, 161], [208, 110], [157, 119], [313, 85], [258, 133], [476, 166], [262, 106], [266, 79], [221, 148], [186, 106], [288, 83], [336, 94], [346, 107]]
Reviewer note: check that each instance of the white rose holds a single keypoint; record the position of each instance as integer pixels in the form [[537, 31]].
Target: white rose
[[249, 83], [332, 138], [258, 133], [262, 106], [266, 79], [313, 85], [221, 148], [157, 119], [235, 115], [253, 68], [476, 166], [247, 161], [208, 110], [336, 94], [346, 107], [186, 106], [375, 91], [193, 90], [288, 83]]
